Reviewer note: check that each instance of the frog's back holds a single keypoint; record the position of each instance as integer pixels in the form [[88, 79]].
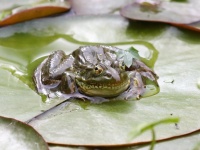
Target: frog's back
[[95, 54]]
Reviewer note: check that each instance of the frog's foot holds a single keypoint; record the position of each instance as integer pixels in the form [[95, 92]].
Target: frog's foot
[[55, 64], [49, 74]]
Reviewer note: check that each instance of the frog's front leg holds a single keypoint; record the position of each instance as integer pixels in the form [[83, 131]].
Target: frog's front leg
[[139, 73], [139, 84], [146, 71]]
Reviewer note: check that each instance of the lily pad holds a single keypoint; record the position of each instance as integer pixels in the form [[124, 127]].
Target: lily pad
[[193, 26], [18, 135], [82, 123], [168, 12], [38, 9]]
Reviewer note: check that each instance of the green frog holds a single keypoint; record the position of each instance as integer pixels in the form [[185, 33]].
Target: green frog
[[96, 73]]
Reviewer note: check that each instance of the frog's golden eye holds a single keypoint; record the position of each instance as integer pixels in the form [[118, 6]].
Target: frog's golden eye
[[98, 69], [122, 66]]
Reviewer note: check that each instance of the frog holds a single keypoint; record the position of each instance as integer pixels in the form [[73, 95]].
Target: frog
[[95, 72]]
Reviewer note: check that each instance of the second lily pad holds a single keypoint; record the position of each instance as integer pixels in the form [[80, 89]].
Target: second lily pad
[[168, 12], [31, 11]]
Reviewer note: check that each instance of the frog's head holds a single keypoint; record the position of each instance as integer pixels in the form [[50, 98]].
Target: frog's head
[[103, 80]]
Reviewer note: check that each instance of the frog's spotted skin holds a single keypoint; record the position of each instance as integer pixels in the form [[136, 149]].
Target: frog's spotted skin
[[95, 73]]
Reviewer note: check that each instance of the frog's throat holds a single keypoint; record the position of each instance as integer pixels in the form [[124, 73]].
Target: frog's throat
[[103, 89]]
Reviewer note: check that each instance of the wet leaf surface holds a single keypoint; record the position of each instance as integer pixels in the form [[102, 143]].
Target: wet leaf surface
[[17, 135]]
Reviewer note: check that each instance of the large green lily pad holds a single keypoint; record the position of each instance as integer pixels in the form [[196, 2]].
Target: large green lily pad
[[108, 123], [17, 135]]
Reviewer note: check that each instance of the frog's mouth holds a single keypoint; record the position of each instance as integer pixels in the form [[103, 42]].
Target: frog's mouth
[[104, 87]]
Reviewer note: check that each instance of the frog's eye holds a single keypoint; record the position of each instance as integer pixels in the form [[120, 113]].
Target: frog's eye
[[122, 66], [98, 69]]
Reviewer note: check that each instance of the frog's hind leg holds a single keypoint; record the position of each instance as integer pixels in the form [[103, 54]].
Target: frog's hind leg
[[57, 63], [48, 74], [48, 68], [37, 78], [54, 60]]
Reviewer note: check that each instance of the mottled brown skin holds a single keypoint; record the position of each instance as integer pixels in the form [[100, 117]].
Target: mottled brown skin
[[95, 73]]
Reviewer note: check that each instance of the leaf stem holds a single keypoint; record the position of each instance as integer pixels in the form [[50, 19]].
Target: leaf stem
[[153, 139]]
